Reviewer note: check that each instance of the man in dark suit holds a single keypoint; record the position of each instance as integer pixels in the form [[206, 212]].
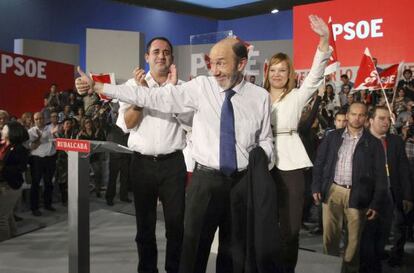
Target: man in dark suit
[[349, 178], [399, 198]]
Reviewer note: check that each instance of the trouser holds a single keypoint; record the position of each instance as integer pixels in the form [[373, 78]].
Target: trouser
[[308, 199], [402, 222], [118, 163], [374, 238], [290, 187], [207, 208], [8, 200], [97, 166], [62, 177], [162, 178], [42, 167], [334, 210]]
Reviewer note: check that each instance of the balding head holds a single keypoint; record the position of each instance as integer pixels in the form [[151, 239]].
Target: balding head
[[230, 46], [228, 59], [39, 120]]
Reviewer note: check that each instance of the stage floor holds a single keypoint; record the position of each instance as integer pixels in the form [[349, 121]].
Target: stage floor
[[112, 249]]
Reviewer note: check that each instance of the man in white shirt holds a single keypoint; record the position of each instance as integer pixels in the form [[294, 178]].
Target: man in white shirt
[[231, 117], [43, 163], [158, 168]]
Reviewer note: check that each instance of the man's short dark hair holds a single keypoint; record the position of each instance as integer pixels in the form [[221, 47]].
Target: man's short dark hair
[[159, 38], [344, 76], [373, 112], [340, 112], [240, 51]]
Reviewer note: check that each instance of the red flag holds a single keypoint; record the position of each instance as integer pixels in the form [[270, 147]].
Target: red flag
[[389, 76], [367, 76], [104, 78], [333, 64]]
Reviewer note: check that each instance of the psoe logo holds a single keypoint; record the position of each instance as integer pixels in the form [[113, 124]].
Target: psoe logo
[[361, 30], [373, 76]]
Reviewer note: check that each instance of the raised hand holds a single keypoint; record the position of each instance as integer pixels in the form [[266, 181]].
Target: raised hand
[[172, 75], [139, 77], [319, 26], [83, 83]]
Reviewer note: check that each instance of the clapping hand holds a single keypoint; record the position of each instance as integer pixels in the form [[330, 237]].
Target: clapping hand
[[139, 77], [172, 75]]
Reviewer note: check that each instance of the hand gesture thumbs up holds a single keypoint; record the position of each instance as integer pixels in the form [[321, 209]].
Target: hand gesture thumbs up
[[83, 83]]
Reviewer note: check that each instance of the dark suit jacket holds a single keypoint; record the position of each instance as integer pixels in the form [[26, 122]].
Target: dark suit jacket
[[255, 232], [368, 170], [399, 168]]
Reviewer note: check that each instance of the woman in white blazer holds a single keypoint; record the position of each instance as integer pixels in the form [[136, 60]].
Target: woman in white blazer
[[290, 154]]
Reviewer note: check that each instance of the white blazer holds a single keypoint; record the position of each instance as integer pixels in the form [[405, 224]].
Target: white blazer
[[289, 153]]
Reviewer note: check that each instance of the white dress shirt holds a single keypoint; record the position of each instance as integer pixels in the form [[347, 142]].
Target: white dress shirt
[[158, 133], [290, 154], [47, 145], [203, 95]]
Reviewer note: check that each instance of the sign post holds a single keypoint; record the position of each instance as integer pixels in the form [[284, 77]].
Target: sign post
[[78, 196]]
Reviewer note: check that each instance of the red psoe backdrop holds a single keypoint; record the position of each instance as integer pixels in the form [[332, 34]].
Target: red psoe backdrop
[[25, 80], [384, 26]]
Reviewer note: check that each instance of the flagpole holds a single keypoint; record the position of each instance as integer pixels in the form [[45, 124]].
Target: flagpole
[[386, 99]]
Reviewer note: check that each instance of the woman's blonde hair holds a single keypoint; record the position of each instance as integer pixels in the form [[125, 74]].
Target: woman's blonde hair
[[291, 83]]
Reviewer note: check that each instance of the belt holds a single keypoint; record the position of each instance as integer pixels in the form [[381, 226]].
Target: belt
[[160, 157], [287, 132], [213, 171], [343, 186]]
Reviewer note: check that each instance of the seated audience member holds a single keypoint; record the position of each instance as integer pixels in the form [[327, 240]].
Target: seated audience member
[[65, 113], [405, 116]]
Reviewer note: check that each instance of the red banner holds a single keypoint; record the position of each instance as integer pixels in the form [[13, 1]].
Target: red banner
[[367, 77], [74, 145], [25, 80], [333, 63], [389, 76], [381, 25], [104, 78]]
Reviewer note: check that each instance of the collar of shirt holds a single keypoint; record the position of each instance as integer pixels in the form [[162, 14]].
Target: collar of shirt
[[347, 134], [151, 82], [238, 88]]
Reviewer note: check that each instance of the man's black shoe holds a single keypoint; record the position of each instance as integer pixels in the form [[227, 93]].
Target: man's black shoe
[[17, 218], [50, 208], [394, 262], [126, 200], [36, 212], [110, 202]]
